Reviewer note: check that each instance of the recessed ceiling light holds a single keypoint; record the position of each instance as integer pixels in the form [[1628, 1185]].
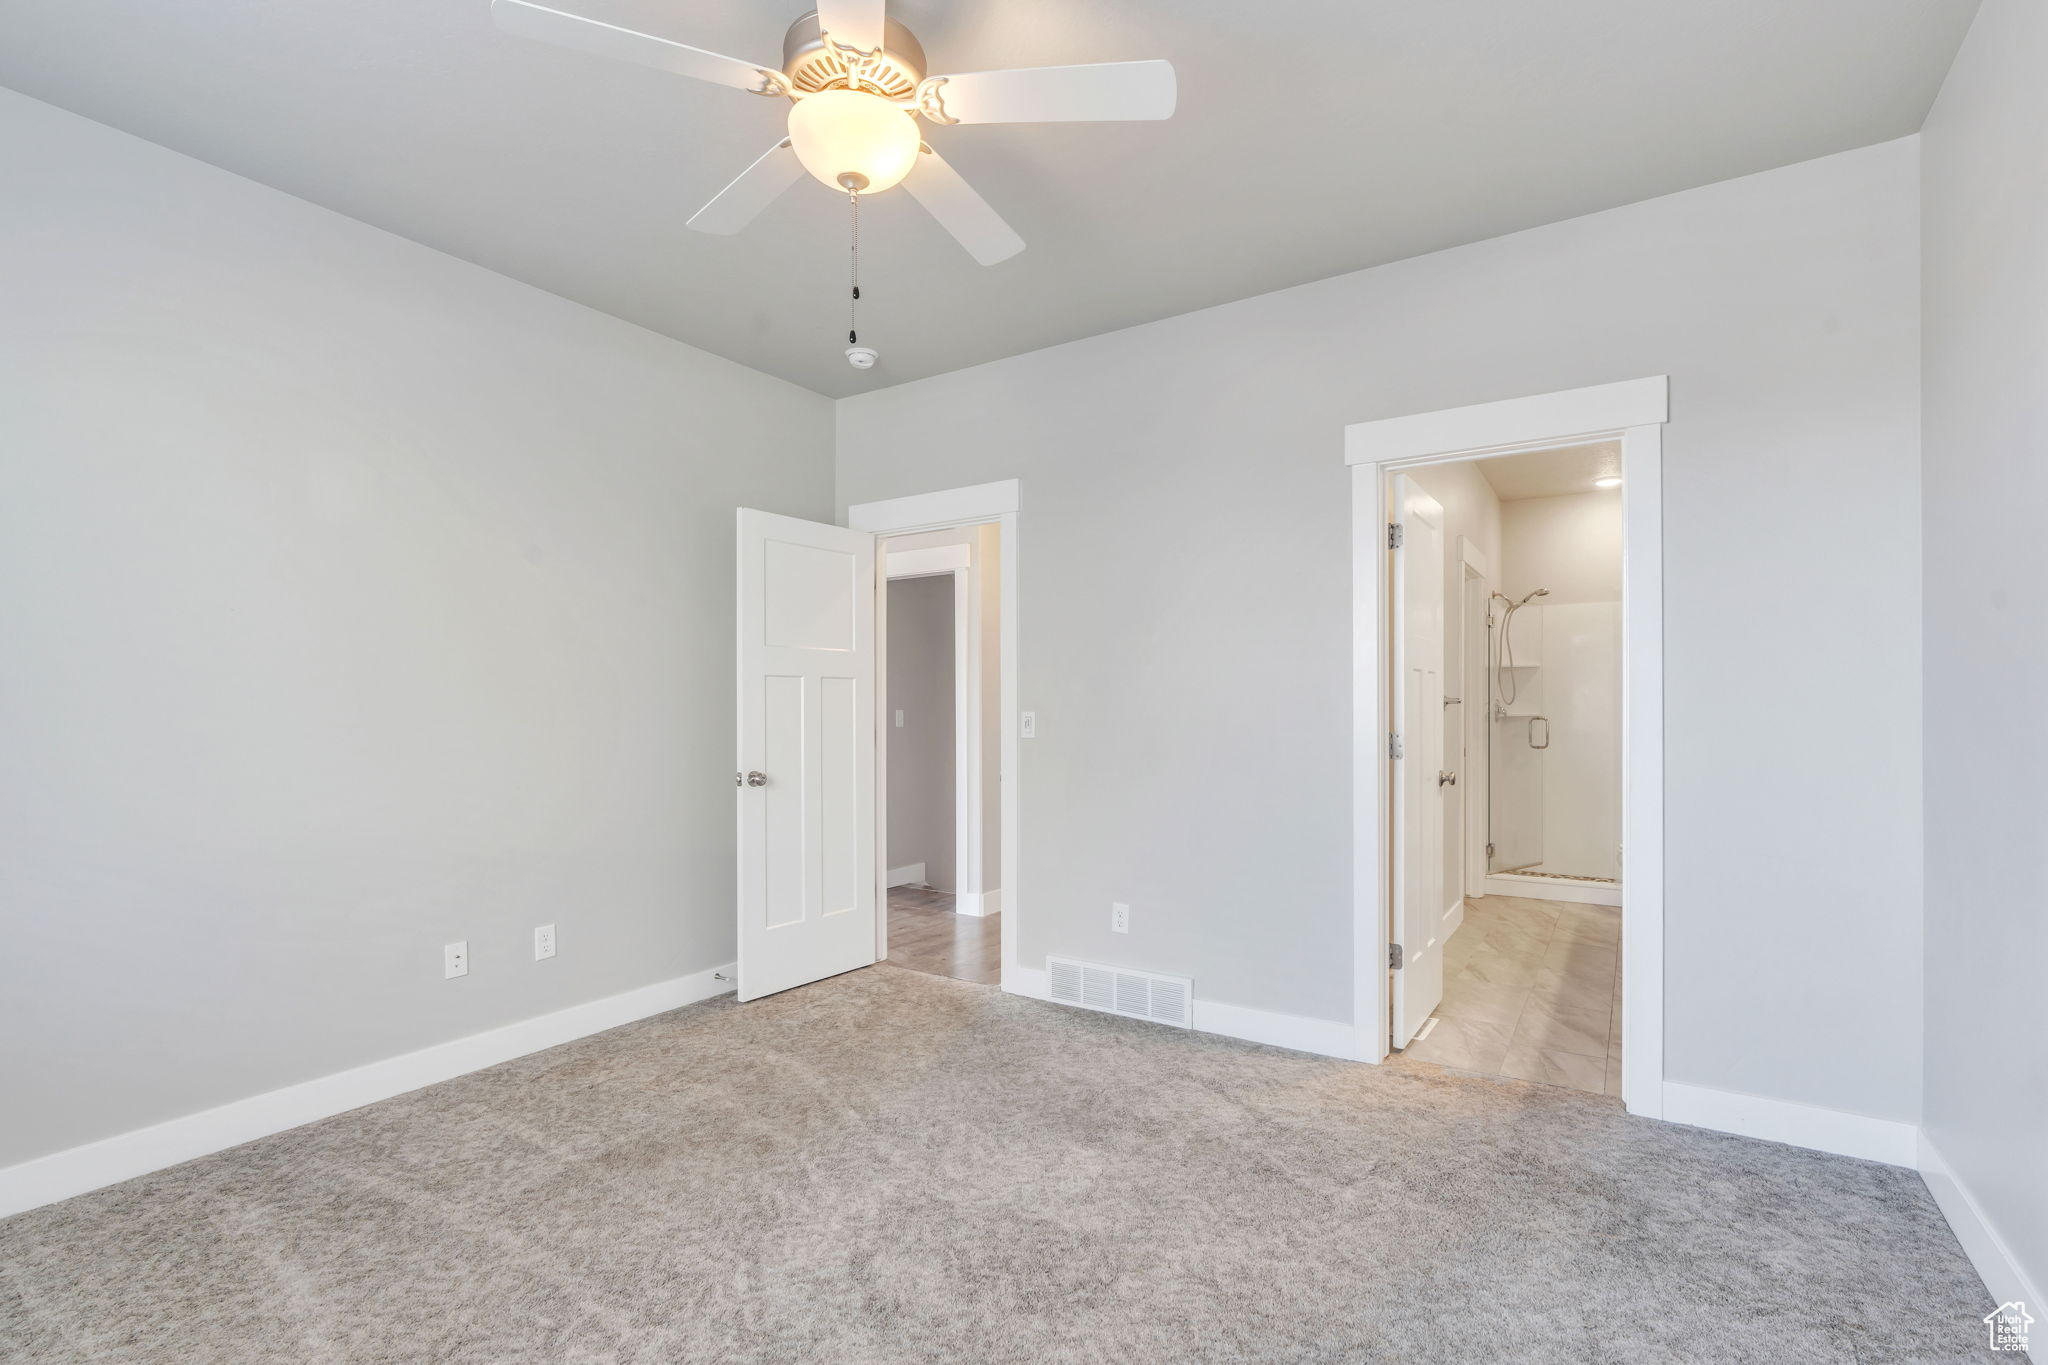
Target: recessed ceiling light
[[1607, 483]]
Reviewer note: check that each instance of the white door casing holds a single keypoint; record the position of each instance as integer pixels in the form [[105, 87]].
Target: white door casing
[[1418, 640], [806, 789], [983, 504], [1633, 411]]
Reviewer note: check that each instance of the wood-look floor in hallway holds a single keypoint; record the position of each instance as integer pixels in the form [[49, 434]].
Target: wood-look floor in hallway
[[927, 935]]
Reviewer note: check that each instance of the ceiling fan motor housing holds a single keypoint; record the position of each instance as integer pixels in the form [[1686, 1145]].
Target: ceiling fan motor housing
[[812, 64]]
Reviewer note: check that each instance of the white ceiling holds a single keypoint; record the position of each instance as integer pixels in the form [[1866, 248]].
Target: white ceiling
[[1313, 137], [1551, 473]]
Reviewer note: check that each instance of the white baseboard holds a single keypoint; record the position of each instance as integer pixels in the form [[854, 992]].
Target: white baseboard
[[1798, 1125], [1029, 982], [2005, 1279], [1453, 917], [60, 1175], [1320, 1036], [1553, 889], [976, 903], [1323, 1037], [912, 875]]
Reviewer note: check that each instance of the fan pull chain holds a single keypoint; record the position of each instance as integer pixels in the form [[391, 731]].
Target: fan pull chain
[[853, 304]]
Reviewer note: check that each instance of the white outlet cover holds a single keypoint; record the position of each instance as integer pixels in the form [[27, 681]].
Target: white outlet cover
[[543, 942], [1119, 917], [455, 959]]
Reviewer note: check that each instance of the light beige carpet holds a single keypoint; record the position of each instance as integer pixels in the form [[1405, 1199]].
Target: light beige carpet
[[891, 1167]]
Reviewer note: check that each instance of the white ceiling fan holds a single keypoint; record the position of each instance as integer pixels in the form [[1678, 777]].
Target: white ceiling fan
[[857, 81]]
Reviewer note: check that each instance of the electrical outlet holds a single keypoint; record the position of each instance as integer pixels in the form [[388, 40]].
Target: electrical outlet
[[1119, 917], [543, 942], [455, 959], [1027, 725]]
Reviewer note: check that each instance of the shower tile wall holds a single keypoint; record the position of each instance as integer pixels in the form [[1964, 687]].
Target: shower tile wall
[[1557, 809], [1516, 790], [1582, 767]]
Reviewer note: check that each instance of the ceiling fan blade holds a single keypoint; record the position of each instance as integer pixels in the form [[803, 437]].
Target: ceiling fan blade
[[528, 20], [1052, 94], [739, 203], [852, 23], [960, 210]]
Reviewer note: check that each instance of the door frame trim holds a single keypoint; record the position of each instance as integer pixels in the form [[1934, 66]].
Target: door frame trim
[[1633, 411], [940, 510]]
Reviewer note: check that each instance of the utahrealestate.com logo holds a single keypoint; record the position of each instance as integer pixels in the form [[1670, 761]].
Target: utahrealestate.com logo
[[2008, 1326]]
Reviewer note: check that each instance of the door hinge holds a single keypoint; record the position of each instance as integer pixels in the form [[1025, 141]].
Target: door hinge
[[1394, 956], [1395, 535], [1394, 746]]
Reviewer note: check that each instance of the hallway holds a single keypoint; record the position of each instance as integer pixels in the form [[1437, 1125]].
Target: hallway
[[926, 935]]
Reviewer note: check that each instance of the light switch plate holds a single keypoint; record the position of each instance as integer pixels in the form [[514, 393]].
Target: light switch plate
[[1027, 725]]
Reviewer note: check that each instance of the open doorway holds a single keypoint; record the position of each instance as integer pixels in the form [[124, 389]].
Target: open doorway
[[811, 604], [933, 526], [1517, 969], [1508, 604], [941, 762]]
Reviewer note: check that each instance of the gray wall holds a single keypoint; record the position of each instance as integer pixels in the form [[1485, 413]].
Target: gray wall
[[1185, 608], [1986, 486], [922, 753], [353, 600]]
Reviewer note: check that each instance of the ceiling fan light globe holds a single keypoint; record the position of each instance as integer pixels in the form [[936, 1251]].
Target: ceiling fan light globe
[[842, 136]]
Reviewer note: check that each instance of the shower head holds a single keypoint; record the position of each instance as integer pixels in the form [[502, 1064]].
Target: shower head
[[1539, 592]]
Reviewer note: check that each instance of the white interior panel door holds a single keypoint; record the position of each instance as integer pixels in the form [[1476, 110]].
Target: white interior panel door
[[806, 752], [1419, 721]]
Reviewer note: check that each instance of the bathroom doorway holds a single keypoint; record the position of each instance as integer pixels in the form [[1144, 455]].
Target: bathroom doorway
[[1532, 965], [1507, 624]]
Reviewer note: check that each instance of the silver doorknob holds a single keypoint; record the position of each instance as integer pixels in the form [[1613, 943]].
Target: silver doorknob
[[757, 779], [1444, 779]]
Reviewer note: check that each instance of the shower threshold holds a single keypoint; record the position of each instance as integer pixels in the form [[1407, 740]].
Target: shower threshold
[[1554, 886], [1559, 876]]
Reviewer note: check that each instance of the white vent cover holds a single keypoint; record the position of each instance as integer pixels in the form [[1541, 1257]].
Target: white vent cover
[[1116, 990]]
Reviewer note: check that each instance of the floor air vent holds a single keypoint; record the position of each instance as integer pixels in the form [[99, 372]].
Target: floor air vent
[[1113, 990]]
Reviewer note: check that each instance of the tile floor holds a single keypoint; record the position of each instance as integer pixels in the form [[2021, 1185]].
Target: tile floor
[[1532, 990], [926, 935]]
